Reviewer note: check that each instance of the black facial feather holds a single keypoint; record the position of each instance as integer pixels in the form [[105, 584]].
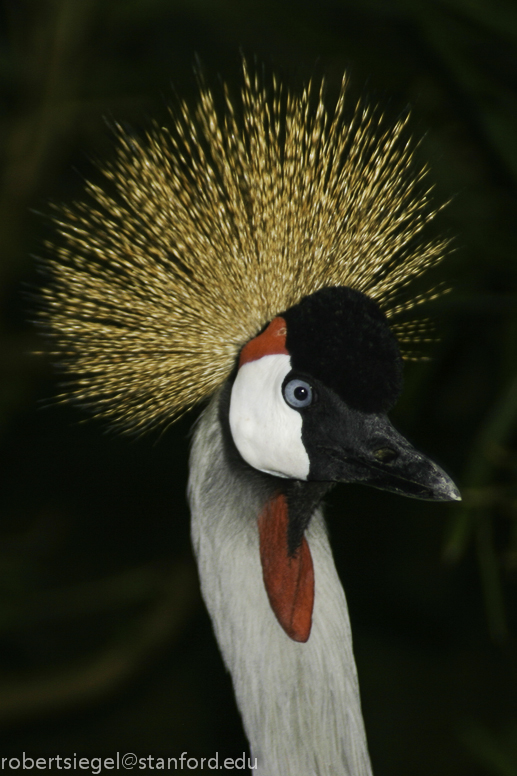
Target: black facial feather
[[341, 337], [302, 500]]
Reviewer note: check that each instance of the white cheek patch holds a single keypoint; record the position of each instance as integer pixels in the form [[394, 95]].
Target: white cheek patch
[[266, 431]]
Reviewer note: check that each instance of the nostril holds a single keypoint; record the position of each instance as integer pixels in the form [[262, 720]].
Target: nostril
[[385, 454]]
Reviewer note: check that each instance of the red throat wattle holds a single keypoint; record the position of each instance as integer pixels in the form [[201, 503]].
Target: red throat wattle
[[289, 580]]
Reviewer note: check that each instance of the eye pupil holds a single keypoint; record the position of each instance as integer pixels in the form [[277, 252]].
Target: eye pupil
[[298, 393]]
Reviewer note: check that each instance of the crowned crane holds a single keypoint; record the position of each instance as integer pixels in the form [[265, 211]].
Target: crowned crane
[[258, 254]]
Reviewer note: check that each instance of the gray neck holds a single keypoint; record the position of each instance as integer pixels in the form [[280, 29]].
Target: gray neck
[[299, 702]]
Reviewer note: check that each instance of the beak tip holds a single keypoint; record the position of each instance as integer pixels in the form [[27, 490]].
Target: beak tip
[[448, 490]]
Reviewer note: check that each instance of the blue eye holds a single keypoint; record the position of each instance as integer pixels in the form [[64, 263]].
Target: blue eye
[[298, 393]]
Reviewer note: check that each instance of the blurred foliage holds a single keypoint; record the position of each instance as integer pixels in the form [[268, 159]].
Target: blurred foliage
[[104, 646], [498, 752]]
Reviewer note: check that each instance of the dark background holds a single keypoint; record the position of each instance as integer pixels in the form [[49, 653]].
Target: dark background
[[104, 643]]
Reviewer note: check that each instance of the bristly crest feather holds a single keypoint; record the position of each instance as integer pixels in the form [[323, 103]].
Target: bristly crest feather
[[212, 227]]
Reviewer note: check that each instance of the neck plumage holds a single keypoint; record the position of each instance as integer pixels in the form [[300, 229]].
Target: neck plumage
[[299, 701]]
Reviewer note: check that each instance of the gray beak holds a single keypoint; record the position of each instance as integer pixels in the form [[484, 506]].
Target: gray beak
[[346, 445]]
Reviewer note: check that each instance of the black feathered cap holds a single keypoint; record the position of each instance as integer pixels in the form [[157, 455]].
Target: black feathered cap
[[341, 337]]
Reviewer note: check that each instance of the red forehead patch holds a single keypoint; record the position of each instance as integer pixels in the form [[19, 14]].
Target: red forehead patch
[[270, 342]]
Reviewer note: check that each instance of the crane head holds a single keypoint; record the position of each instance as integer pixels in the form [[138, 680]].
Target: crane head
[[311, 394]]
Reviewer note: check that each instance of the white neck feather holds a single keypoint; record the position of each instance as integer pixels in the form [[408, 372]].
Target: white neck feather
[[299, 702]]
